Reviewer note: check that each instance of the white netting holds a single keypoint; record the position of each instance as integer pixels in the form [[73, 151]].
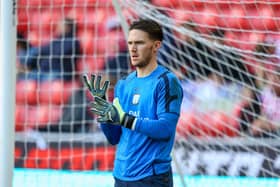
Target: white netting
[[57, 42], [225, 53]]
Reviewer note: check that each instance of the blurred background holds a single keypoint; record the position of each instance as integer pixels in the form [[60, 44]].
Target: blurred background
[[225, 53]]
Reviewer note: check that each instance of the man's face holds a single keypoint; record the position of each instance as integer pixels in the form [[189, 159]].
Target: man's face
[[141, 48]]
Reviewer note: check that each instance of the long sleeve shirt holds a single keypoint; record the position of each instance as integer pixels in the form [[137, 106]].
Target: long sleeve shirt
[[155, 101]]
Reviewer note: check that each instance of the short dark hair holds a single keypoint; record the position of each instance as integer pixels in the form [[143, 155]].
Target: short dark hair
[[149, 26]]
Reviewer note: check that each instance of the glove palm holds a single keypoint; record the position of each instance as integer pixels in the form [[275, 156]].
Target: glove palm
[[95, 87], [111, 112]]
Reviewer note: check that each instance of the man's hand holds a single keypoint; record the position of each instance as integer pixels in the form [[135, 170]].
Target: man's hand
[[95, 87], [111, 113]]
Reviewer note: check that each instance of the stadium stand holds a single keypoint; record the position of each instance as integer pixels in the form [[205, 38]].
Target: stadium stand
[[91, 19]]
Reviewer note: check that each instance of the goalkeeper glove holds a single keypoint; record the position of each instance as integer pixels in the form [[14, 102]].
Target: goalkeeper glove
[[96, 90], [111, 113]]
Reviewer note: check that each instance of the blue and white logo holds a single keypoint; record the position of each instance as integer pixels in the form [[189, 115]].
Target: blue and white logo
[[135, 99]]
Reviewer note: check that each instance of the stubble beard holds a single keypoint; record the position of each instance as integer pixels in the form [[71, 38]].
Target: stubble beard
[[142, 64], [145, 62]]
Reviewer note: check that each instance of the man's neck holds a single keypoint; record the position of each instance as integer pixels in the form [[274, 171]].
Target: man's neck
[[146, 70]]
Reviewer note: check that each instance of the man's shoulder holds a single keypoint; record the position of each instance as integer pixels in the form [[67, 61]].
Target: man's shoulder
[[168, 80], [128, 77], [165, 72]]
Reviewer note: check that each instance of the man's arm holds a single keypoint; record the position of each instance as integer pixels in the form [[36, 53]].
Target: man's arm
[[160, 129], [93, 84], [169, 96], [112, 133], [169, 99]]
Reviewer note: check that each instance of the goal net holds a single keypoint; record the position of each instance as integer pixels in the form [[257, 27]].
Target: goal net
[[226, 54]]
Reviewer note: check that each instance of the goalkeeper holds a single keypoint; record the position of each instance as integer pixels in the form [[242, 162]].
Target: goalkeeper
[[143, 116]]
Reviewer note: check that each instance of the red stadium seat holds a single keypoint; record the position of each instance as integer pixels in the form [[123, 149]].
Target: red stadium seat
[[180, 16], [26, 92], [91, 64], [45, 114], [231, 38], [102, 14], [166, 3], [192, 3], [55, 92], [232, 17], [187, 124], [250, 40], [207, 20], [115, 42], [260, 18], [89, 19], [92, 19], [20, 115], [87, 42], [92, 44], [243, 40], [48, 21], [82, 17], [101, 44], [22, 16], [63, 2], [33, 3], [36, 116], [177, 3], [238, 108], [36, 38], [218, 124], [77, 14]]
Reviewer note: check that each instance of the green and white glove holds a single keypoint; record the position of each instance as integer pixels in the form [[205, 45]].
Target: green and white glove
[[111, 113], [95, 87]]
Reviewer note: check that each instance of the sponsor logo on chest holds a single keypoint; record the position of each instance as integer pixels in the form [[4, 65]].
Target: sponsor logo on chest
[[135, 99]]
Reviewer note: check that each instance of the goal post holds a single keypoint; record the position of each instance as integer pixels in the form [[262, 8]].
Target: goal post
[[7, 89]]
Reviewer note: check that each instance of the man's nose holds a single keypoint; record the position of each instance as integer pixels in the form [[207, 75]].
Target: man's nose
[[133, 48]]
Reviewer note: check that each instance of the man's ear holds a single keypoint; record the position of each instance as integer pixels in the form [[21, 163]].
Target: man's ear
[[157, 45]]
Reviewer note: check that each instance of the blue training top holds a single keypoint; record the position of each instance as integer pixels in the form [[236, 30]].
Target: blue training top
[[155, 101]]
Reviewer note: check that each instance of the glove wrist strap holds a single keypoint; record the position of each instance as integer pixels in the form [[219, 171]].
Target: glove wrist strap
[[104, 97], [128, 121]]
